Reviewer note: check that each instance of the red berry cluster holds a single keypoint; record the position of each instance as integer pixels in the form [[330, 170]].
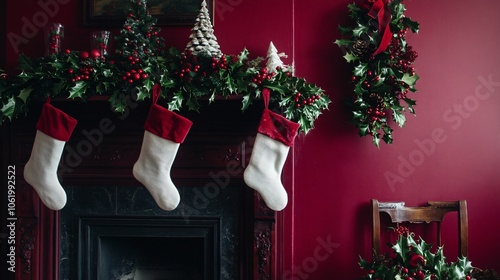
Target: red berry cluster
[[401, 230], [134, 75], [189, 63], [218, 64], [302, 101], [371, 78], [262, 75], [402, 59], [376, 113], [82, 74], [84, 55], [419, 274], [133, 59]]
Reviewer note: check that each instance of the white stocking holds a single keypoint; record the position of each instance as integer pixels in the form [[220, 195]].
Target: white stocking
[[152, 169], [263, 172], [41, 170]]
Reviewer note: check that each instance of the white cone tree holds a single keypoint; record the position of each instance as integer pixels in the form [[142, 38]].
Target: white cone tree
[[202, 38], [274, 59]]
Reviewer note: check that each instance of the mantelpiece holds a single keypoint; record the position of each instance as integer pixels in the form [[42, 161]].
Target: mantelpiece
[[101, 153]]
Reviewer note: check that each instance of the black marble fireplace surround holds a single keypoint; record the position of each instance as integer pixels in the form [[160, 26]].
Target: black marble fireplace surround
[[117, 233]]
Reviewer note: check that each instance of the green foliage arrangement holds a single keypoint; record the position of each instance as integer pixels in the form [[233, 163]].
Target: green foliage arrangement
[[413, 259], [141, 60], [383, 71]]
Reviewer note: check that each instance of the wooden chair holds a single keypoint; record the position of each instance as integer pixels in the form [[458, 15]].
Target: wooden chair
[[434, 211]]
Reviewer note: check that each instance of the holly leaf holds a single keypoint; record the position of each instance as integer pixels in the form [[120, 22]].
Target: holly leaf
[[364, 264], [142, 93], [246, 102], [399, 10], [413, 25], [376, 140], [78, 90], [387, 134], [353, 9], [243, 55], [398, 117], [231, 86], [107, 73], [9, 108], [345, 30], [26, 63], [409, 79], [350, 57], [359, 30], [24, 94], [363, 129], [278, 88], [118, 102], [410, 103], [343, 42], [176, 103], [360, 69]]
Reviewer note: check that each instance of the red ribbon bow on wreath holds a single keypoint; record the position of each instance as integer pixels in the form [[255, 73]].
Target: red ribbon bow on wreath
[[380, 11]]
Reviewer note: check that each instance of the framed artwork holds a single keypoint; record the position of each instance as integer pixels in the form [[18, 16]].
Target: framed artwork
[[168, 12]]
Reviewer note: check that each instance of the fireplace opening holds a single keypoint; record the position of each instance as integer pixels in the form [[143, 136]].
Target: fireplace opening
[[120, 248], [151, 258]]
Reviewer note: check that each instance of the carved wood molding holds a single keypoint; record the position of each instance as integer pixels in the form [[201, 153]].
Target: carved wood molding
[[263, 245], [27, 241]]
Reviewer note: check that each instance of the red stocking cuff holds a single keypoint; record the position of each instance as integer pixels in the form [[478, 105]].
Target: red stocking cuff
[[278, 127], [167, 124], [55, 123]]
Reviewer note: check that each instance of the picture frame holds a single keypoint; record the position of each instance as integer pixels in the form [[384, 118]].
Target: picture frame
[[112, 13]]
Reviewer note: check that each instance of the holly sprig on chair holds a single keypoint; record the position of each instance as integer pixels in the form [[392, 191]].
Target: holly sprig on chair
[[413, 258]]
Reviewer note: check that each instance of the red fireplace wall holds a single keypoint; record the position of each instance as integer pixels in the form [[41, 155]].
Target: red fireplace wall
[[449, 151]]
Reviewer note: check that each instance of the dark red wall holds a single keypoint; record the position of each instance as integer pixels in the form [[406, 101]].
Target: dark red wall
[[449, 151], [337, 173]]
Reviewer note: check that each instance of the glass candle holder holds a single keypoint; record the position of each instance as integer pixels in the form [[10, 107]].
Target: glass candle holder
[[54, 34], [101, 41]]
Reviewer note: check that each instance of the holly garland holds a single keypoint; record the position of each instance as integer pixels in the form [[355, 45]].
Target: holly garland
[[141, 60], [383, 71]]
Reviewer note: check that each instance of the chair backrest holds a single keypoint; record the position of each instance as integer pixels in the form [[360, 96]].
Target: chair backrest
[[434, 211]]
